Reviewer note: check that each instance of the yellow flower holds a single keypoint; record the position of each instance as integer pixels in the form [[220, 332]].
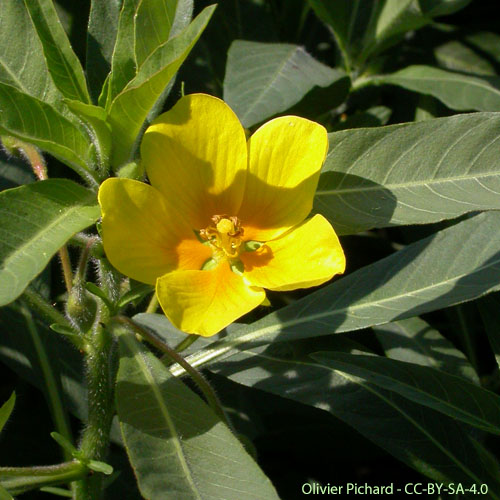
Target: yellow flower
[[223, 218]]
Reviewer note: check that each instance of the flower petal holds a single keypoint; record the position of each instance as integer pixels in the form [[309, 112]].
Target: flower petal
[[196, 153], [285, 158], [142, 235], [205, 302], [306, 256]]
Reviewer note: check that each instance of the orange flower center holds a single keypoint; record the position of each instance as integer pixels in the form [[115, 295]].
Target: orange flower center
[[224, 236]]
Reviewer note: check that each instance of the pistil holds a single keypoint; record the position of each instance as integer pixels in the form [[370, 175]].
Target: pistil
[[224, 236]]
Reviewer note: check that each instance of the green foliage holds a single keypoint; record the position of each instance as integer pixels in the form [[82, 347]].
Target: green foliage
[[169, 434], [411, 183], [426, 172], [263, 79], [37, 219]]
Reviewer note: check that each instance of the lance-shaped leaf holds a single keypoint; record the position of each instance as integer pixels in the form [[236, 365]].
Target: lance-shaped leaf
[[22, 62], [263, 79], [427, 386], [424, 439], [38, 123], [413, 340], [35, 221], [365, 27], [156, 21], [131, 107], [177, 446], [123, 63], [6, 410], [457, 264], [101, 38], [458, 91], [62, 63], [411, 173]]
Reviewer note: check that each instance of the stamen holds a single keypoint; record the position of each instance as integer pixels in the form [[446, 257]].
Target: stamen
[[224, 236]]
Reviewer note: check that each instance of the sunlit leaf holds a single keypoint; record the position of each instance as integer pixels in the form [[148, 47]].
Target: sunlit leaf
[[6, 410], [35, 221], [131, 107], [411, 173], [177, 446], [263, 79], [413, 340], [38, 123], [62, 63], [458, 91], [427, 386]]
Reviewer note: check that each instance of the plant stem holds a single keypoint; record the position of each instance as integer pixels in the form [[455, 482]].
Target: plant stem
[[100, 382], [184, 344], [52, 384], [101, 373], [197, 377], [153, 304], [45, 310], [66, 267], [20, 479]]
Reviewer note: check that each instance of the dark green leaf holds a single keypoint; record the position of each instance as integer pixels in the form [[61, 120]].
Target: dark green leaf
[[4, 494], [363, 28], [63, 65], [422, 438], [458, 91], [413, 340], [456, 56], [411, 173], [131, 107], [427, 386], [101, 37], [488, 309], [176, 444], [263, 79], [35, 221]]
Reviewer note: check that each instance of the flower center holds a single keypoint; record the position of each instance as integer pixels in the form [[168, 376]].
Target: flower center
[[224, 236]]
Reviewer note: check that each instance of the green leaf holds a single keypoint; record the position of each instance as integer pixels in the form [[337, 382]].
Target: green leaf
[[177, 446], [35, 221], [38, 123], [4, 494], [448, 394], [456, 56], [263, 79], [94, 119], [424, 439], [101, 38], [62, 63], [488, 309], [22, 62], [363, 28], [123, 63], [455, 265], [131, 107], [98, 466], [458, 91], [6, 410], [19, 353], [13, 171], [413, 340], [411, 173], [156, 21], [135, 294], [487, 42]]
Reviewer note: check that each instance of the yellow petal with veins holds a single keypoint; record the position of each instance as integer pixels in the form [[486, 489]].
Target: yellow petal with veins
[[306, 256], [205, 302], [285, 158], [143, 235], [196, 154]]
